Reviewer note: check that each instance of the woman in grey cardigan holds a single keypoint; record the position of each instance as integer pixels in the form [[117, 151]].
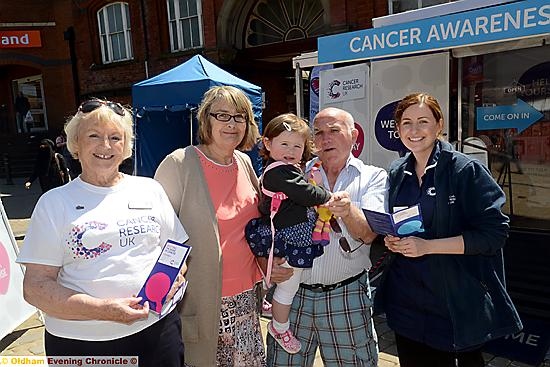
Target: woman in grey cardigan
[[214, 191]]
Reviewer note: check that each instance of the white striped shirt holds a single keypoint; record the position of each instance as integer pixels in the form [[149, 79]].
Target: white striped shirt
[[367, 186]]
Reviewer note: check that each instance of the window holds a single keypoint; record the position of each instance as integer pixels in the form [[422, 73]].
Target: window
[[114, 32], [274, 21], [399, 6], [185, 23], [515, 81]]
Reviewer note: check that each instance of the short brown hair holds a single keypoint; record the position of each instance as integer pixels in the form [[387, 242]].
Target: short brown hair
[[420, 99], [242, 104], [277, 125]]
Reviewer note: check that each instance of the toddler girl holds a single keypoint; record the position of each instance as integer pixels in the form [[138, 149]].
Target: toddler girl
[[287, 145]]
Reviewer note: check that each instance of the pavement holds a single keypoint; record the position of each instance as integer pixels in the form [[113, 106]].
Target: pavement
[[27, 339]]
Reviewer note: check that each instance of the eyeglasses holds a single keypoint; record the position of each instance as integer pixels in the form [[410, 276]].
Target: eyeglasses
[[342, 241], [226, 117], [94, 104]]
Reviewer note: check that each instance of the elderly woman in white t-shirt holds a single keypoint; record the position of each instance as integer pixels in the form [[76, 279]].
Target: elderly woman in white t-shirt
[[91, 245]]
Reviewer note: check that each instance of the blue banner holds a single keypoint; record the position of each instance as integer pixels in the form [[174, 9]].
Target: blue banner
[[493, 24]]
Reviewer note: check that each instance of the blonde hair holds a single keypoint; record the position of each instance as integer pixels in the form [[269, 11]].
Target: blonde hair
[[242, 104], [296, 124], [103, 113]]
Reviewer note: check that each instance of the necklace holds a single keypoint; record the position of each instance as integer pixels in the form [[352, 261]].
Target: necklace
[[223, 160]]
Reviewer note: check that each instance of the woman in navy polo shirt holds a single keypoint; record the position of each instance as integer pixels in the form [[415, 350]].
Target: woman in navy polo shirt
[[443, 291]]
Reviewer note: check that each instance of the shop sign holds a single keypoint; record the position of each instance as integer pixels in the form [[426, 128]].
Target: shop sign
[[357, 148], [20, 39], [520, 116], [385, 130], [346, 88], [487, 25]]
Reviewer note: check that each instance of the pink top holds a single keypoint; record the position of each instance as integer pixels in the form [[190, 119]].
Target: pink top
[[235, 203]]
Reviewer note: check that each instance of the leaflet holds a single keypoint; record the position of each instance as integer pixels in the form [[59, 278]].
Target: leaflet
[[405, 222], [162, 277]]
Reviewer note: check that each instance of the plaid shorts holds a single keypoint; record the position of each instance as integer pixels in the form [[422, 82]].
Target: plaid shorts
[[339, 322]]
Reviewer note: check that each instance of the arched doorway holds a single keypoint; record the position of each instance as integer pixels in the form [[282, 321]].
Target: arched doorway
[[273, 21], [258, 39]]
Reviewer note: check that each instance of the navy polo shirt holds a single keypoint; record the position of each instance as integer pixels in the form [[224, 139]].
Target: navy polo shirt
[[412, 308]]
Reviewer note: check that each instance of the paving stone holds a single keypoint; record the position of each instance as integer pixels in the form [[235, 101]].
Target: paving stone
[[38, 349], [499, 362], [387, 336], [391, 350], [384, 344], [520, 364], [382, 362], [382, 328], [33, 321], [390, 358]]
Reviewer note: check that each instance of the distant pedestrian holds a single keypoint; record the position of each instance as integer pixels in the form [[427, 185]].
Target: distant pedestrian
[[512, 155], [73, 166], [60, 142], [50, 167], [22, 107], [4, 118]]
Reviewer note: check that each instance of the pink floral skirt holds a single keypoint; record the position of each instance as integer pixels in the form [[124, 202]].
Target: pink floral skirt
[[240, 341]]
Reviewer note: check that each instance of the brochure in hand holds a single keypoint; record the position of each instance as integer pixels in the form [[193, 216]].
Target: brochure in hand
[[162, 277], [405, 222]]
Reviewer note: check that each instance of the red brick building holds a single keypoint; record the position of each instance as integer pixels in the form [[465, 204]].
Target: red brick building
[[35, 59], [100, 47]]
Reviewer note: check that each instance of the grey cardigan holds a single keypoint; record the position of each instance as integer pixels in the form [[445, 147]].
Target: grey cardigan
[[182, 177]]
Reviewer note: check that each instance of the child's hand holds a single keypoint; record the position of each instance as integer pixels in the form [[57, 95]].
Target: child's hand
[[340, 204]]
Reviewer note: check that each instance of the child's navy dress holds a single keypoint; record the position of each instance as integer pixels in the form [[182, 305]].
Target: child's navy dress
[[295, 220]]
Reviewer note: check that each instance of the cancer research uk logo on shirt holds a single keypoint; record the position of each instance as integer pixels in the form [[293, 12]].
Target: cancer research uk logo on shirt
[[80, 251], [89, 240]]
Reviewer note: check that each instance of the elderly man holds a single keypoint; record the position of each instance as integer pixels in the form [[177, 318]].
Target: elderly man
[[332, 309]]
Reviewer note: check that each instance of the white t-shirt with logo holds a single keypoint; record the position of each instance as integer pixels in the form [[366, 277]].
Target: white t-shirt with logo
[[105, 240]]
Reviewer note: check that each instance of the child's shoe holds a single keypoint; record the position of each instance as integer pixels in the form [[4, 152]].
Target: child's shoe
[[286, 340], [266, 308]]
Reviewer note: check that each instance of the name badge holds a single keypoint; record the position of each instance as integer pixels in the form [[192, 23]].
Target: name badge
[[140, 204]]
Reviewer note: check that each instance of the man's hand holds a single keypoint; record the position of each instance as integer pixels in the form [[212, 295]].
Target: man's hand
[[340, 204], [278, 273], [353, 217]]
